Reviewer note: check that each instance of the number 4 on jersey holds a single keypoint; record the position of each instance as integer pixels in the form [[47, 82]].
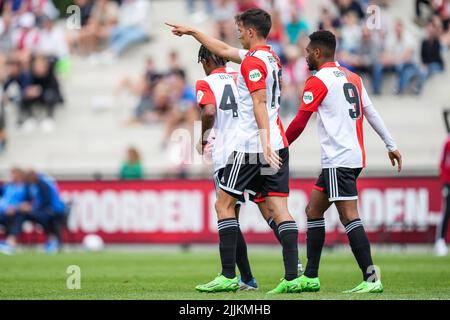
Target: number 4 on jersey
[[228, 101]]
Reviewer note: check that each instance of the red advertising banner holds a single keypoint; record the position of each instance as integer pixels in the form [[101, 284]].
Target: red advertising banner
[[403, 210]]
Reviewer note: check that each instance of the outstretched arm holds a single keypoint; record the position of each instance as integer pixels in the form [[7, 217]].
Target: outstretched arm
[[216, 46]]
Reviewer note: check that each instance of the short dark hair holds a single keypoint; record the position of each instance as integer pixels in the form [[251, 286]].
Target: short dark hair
[[324, 39], [258, 19], [205, 54]]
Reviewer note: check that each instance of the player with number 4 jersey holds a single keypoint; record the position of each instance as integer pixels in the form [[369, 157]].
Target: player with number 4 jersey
[[261, 153]]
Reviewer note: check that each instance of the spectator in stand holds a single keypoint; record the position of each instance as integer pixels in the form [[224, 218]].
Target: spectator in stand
[[346, 6], [3, 134], [131, 29], [431, 55], [38, 7], [14, 203], [286, 7], [52, 40], [276, 37], [420, 4], [76, 38], [43, 89], [244, 5], [151, 107], [199, 16], [350, 43], [6, 45], [103, 19], [25, 38], [296, 28], [329, 22], [367, 52], [350, 33], [183, 105], [295, 73], [398, 56], [443, 9], [17, 74], [131, 168], [175, 65], [223, 16]]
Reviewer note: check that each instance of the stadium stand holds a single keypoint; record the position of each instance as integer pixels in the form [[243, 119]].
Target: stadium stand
[[92, 129]]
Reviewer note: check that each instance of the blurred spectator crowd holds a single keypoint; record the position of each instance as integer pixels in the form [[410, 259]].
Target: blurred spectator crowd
[[34, 197], [31, 48], [35, 50], [368, 43]]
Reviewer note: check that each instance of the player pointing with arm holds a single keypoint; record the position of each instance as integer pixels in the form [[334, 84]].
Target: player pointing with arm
[[260, 141], [341, 102]]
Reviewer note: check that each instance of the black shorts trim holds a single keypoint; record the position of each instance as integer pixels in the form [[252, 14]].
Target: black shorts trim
[[217, 177], [248, 171], [339, 183]]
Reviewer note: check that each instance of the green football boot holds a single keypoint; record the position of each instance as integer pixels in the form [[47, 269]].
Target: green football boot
[[367, 287], [286, 286], [309, 284], [219, 284]]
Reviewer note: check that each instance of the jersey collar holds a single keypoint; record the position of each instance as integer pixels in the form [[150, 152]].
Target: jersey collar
[[262, 47], [330, 65], [219, 70]]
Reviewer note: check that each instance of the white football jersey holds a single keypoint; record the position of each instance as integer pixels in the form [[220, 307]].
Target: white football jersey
[[339, 97], [260, 69], [220, 90]]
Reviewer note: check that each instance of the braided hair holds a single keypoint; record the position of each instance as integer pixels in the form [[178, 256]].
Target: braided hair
[[205, 54]]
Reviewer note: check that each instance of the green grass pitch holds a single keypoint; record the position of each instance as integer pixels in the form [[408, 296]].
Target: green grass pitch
[[172, 275]]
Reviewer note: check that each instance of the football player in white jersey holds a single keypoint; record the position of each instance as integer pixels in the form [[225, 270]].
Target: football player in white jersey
[[341, 102], [217, 96], [261, 151]]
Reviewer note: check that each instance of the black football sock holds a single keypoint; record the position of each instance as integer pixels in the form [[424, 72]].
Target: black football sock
[[273, 226], [289, 240], [242, 258], [361, 248], [228, 233], [315, 238]]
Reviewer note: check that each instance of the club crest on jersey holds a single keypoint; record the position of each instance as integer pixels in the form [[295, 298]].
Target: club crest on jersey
[[308, 97], [200, 95], [254, 75]]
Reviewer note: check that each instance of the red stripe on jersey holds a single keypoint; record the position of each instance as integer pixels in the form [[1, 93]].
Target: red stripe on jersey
[[204, 94], [356, 80], [282, 133]]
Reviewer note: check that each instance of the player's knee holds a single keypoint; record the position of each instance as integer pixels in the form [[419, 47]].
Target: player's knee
[[308, 210], [224, 209], [311, 213]]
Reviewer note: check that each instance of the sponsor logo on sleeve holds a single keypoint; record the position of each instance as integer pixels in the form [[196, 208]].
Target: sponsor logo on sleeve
[[254, 75], [200, 95], [308, 97]]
